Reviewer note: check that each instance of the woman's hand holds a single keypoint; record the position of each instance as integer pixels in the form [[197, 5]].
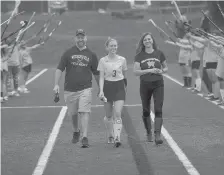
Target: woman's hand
[[102, 97], [158, 71]]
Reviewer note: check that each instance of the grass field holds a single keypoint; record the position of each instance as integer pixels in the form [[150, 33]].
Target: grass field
[[36, 132]]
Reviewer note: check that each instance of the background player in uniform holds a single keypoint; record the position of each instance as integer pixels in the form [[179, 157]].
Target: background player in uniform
[[25, 64], [184, 61], [4, 72], [79, 62], [219, 47], [196, 55], [112, 86], [211, 60], [149, 64], [13, 70]]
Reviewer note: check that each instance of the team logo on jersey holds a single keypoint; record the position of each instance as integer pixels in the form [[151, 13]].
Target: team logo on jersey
[[151, 64], [80, 60]]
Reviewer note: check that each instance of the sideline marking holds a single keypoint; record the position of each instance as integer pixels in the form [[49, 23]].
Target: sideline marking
[[43, 160], [36, 107], [176, 149], [36, 76], [200, 95]]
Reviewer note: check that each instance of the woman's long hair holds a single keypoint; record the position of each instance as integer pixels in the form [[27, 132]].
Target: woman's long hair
[[140, 45]]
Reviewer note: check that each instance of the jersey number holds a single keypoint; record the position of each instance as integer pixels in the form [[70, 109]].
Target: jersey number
[[114, 73]]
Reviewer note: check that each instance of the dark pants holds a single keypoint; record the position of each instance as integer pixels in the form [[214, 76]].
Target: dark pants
[[149, 89]]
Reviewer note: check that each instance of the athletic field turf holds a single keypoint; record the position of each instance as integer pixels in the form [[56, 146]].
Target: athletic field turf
[[36, 133]]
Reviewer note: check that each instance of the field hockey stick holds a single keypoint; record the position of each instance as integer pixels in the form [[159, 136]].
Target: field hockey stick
[[175, 16], [11, 16], [161, 31], [220, 9], [45, 40], [212, 22], [13, 33], [45, 30], [19, 34], [46, 24], [27, 24], [170, 29], [177, 8], [170, 22]]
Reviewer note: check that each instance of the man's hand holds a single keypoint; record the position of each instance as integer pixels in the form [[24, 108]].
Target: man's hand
[[56, 93], [56, 89]]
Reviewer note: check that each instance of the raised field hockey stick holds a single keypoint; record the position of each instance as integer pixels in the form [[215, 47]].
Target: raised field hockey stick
[[175, 16], [212, 22], [11, 16], [170, 29], [205, 34], [46, 24], [177, 8], [27, 24], [19, 34], [220, 9], [13, 33], [45, 40], [161, 31]]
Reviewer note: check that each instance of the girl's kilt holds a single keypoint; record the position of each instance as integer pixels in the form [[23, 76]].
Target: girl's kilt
[[114, 90]]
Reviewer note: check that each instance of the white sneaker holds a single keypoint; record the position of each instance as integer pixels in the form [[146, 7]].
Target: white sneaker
[[19, 89], [12, 93], [26, 91], [17, 94], [5, 98]]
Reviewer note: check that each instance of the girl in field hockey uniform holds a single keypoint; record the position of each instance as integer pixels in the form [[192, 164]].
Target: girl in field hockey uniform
[[150, 64], [4, 72], [13, 70], [220, 67], [196, 55], [112, 86], [184, 61], [210, 60], [25, 64]]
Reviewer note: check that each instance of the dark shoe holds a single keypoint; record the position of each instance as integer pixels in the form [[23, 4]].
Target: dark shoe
[[76, 136], [221, 103], [189, 81], [149, 137], [85, 143], [212, 98], [117, 143], [110, 140], [148, 127], [158, 126], [185, 82]]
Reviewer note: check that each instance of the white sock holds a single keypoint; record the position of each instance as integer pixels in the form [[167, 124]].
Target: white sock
[[222, 94], [117, 128], [198, 84], [109, 126]]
